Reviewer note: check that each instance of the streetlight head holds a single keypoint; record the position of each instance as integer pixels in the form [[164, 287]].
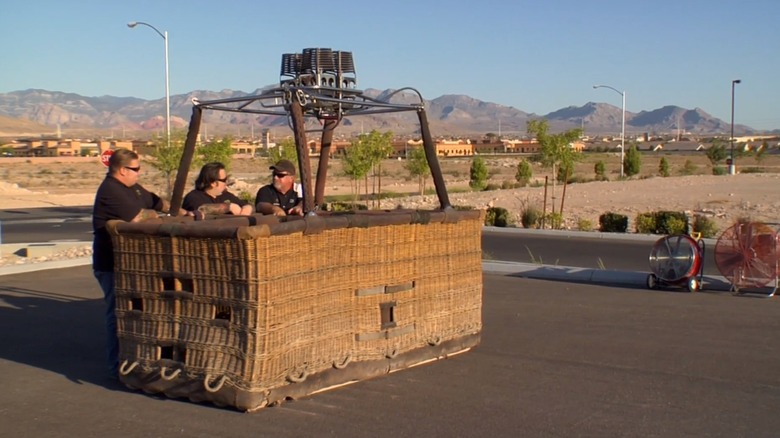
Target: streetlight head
[[132, 24], [737, 81]]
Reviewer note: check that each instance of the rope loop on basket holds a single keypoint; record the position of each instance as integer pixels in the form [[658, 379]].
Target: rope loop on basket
[[434, 341], [125, 370], [296, 377], [215, 388], [343, 364], [392, 353], [165, 376]]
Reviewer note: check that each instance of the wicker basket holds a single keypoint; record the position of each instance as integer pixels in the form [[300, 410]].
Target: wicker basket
[[248, 311]]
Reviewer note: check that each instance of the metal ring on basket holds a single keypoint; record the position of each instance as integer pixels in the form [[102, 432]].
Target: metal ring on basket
[[125, 370], [165, 376], [391, 353], [435, 341], [343, 364], [298, 377], [215, 388]]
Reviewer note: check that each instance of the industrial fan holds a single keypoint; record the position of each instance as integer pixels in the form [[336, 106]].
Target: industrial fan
[[677, 260], [747, 255]]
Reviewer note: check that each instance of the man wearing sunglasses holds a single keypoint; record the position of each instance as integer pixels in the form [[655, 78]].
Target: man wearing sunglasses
[[211, 195], [280, 198], [118, 197]]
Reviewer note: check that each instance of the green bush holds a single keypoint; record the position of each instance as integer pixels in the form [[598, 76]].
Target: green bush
[[524, 173], [530, 217], [717, 170], [498, 217], [554, 220], [751, 170], [478, 174], [705, 226], [688, 168], [246, 196], [613, 223], [343, 206], [671, 222], [663, 167], [491, 186], [645, 223]]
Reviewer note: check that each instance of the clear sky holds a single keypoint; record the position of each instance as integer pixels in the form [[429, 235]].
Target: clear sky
[[537, 56]]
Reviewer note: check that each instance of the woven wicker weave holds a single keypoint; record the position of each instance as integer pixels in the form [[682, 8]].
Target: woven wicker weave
[[247, 311]]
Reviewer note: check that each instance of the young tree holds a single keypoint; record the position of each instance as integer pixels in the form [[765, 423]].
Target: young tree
[[663, 167], [633, 161], [167, 159], [478, 174], [356, 165], [217, 151], [417, 166], [378, 146], [717, 152], [601, 170], [555, 150], [524, 172], [284, 150]]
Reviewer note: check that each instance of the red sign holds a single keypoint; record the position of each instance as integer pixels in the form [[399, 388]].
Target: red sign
[[105, 156]]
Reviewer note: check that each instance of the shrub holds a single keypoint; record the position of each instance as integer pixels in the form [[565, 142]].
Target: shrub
[[491, 187], [705, 226], [478, 174], [613, 223], [663, 167], [584, 225], [717, 170], [671, 222], [555, 220], [688, 168], [632, 163], [524, 173], [601, 170], [246, 196], [498, 217], [530, 217], [645, 223], [751, 170], [344, 206]]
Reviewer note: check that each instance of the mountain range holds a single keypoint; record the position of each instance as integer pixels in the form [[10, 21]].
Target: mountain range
[[36, 111]]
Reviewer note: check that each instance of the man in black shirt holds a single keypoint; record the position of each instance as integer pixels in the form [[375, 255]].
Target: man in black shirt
[[280, 198], [118, 197], [211, 196]]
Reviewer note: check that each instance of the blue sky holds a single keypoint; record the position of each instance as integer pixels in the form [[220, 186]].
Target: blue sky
[[537, 56]]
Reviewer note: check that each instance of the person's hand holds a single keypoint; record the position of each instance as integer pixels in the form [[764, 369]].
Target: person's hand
[[234, 209], [278, 211], [297, 210]]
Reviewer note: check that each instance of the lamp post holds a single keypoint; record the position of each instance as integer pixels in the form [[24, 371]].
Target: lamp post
[[164, 36], [732, 163], [623, 126]]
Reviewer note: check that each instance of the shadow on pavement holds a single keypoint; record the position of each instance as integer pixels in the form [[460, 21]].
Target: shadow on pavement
[[58, 332]]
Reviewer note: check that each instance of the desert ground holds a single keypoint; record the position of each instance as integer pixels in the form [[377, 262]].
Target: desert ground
[[44, 182]]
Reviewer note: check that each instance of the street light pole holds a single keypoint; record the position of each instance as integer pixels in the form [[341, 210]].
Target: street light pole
[[623, 126], [164, 36], [733, 164]]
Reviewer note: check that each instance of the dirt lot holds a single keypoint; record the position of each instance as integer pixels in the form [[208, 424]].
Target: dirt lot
[[43, 182]]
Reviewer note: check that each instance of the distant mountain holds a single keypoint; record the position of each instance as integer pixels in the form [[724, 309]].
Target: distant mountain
[[448, 115]]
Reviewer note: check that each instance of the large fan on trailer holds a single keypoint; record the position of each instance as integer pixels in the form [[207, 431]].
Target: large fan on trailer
[[676, 260], [747, 254]]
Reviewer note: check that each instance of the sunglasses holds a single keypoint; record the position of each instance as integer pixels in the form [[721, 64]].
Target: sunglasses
[[134, 169], [224, 180], [280, 175]]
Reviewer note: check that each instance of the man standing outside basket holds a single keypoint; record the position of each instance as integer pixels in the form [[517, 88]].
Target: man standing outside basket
[[280, 198], [118, 197]]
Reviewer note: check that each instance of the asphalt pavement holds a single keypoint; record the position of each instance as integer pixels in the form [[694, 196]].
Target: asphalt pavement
[[557, 358]]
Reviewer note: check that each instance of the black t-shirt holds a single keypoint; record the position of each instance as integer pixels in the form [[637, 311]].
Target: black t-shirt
[[270, 195], [196, 198], [115, 200]]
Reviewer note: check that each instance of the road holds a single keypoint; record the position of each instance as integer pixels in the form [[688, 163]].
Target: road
[[556, 359]]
